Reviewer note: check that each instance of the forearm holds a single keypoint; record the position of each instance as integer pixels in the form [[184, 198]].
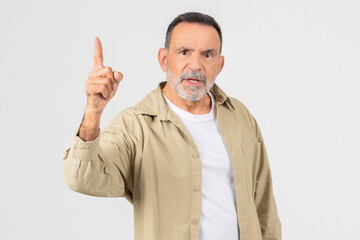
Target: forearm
[[267, 211], [265, 201], [88, 168], [264, 197], [90, 126], [80, 165]]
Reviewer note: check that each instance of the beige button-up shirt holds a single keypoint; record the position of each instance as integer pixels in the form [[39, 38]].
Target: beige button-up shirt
[[147, 156]]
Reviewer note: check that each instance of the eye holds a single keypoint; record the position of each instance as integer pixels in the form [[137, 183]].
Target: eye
[[184, 52], [208, 54]]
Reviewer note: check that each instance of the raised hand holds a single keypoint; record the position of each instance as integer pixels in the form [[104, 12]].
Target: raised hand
[[102, 82], [100, 87]]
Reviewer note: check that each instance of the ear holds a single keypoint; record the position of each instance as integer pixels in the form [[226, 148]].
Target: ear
[[221, 64], [162, 57]]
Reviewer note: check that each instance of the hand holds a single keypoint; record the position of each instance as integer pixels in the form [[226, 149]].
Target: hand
[[102, 82]]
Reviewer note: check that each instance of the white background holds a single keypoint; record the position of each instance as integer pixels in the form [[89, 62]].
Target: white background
[[294, 64]]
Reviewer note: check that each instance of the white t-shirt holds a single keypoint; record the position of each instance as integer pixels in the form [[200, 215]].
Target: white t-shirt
[[218, 210]]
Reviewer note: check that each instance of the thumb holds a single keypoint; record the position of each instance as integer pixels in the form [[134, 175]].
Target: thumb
[[118, 76]]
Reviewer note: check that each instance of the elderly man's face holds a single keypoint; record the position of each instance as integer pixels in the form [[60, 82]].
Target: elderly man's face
[[193, 60]]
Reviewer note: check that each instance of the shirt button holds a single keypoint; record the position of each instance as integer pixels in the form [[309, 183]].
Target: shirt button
[[196, 189], [194, 222], [195, 155]]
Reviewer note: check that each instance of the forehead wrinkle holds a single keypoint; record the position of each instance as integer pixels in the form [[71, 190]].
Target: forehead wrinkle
[[194, 44], [189, 42], [195, 36]]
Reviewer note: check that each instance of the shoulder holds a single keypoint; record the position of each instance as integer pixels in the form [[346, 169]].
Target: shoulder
[[231, 102], [241, 109], [238, 105], [126, 124], [126, 118]]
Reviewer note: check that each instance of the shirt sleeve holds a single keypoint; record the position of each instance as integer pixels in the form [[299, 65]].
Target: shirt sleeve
[[101, 167], [264, 198]]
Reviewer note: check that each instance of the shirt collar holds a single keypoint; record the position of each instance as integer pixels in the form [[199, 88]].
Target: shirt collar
[[154, 103]]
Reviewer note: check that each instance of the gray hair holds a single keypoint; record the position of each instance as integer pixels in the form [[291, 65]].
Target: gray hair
[[192, 17]]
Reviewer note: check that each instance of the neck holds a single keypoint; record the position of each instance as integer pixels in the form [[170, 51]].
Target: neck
[[201, 106]]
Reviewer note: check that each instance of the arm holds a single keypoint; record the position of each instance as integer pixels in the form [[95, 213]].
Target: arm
[[264, 197], [99, 163], [103, 166]]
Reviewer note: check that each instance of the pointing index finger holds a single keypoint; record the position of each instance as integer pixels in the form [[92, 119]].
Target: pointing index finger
[[98, 54]]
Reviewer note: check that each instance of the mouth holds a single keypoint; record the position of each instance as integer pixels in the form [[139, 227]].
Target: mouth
[[192, 80]]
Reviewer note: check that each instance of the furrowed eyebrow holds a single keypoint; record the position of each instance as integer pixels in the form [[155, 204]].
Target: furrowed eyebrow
[[183, 48], [213, 51]]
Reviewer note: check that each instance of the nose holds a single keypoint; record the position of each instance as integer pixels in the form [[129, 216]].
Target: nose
[[195, 62]]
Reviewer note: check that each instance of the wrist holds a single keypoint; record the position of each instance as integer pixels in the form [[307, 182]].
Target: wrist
[[93, 111], [91, 120]]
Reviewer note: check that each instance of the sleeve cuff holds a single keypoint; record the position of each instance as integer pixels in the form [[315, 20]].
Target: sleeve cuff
[[84, 150]]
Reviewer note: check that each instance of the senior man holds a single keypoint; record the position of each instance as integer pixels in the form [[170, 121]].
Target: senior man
[[190, 159]]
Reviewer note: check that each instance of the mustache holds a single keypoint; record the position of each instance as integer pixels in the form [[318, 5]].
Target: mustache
[[194, 74]]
